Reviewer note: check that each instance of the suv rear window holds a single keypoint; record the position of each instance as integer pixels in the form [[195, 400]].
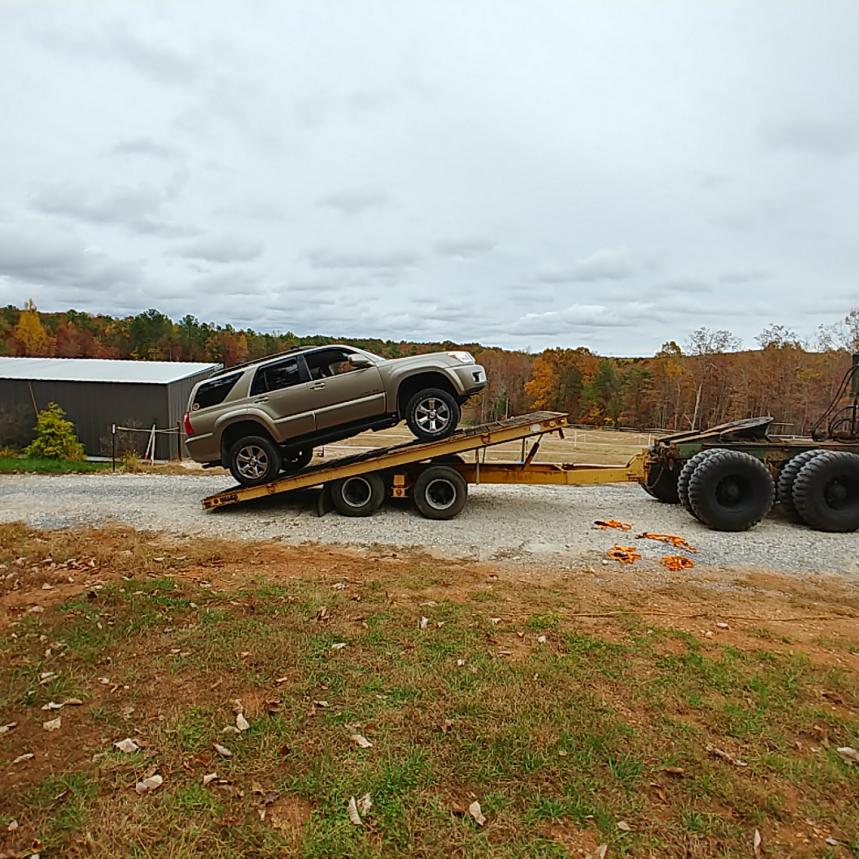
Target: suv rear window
[[215, 392]]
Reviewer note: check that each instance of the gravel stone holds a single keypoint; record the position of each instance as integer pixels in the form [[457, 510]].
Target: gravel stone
[[499, 523]]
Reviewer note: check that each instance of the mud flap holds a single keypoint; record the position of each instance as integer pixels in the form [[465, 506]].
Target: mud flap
[[324, 504]]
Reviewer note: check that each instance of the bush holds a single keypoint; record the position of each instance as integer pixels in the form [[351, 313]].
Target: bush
[[55, 436]]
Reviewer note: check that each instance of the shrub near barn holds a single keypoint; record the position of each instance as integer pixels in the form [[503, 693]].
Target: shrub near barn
[[55, 436]]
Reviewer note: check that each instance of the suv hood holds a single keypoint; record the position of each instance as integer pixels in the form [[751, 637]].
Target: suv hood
[[445, 359]]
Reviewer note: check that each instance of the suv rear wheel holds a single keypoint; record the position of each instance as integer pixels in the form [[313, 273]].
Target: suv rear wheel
[[254, 459], [432, 414]]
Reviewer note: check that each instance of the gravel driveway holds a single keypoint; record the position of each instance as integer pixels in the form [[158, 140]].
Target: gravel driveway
[[515, 523]]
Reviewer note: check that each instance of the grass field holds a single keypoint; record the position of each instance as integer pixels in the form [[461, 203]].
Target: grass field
[[30, 465], [576, 715]]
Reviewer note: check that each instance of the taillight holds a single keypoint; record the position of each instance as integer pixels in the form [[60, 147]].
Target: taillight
[[189, 430]]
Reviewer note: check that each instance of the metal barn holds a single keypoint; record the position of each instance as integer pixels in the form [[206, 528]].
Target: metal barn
[[96, 393]]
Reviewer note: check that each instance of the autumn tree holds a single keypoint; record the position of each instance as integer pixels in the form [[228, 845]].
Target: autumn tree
[[29, 335]]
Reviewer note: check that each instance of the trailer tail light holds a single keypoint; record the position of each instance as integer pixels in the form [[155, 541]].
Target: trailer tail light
[[189, 430]]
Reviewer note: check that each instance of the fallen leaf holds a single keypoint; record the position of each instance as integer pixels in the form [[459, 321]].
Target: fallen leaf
[[53, 724], [52, 705], [241, 722], [282, 680], [13, 826], [460, 663], [321, 704], [424, 622], [25, 757], [833, 842], [475, 811], [495, 620], [339, 645], [209, 778], [756, 843], [72, 702], [223, 751], [149, 784], [339, 586], [127, 745], [322, 613], [446, 725], [352, 811], [849, 754], [365, 803], [676, 771], [541, 639], [722, 625], [623, 826], [361, 741], [10, 726]]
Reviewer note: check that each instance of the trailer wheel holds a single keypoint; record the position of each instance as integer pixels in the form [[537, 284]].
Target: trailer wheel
[[361, 495], [686, 474], [826, 492], [440, 492], [731, 491], [787, 479], [661, 484], [254, 459]]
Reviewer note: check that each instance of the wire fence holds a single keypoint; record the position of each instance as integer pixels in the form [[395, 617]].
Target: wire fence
[[152, 434]]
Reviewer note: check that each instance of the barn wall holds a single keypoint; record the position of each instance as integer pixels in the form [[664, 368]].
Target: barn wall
[[94, 406]]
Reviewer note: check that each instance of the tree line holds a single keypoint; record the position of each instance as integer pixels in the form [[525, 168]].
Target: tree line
[[708, 380]]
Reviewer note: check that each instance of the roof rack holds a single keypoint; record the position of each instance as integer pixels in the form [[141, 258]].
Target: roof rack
[[265, 358]]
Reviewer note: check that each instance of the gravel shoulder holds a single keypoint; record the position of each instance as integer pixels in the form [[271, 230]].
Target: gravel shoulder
[[516, 524]]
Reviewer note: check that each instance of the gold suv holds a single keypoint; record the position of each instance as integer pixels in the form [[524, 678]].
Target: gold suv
[[266, 417]]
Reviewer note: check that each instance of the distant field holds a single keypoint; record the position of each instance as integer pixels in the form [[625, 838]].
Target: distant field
[[590, 446]]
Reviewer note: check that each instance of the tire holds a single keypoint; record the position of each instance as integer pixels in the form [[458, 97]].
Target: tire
[[432, 414], [826, 492], [254, 459], [663, 486], [730, 491], [361, 495], [787, 478], [686, 474], [440, 492], [293, 462]]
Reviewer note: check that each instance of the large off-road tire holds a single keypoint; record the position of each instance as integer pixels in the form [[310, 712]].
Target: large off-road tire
[[686, 474], [432, 414], [826, 492], [361, 495], [787, 478], [440, 492], [254, 459], [731, 491], [661, 484], [293, 462]]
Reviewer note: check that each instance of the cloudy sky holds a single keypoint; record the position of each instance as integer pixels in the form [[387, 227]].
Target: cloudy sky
[[611, 174]]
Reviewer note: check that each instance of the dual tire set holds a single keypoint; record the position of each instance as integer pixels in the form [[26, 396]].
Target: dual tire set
[[729, 490], [438, 492]]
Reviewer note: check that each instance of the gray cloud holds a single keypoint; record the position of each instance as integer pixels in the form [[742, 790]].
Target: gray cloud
[[684, 284], [138, 208], [604, 264], [828, 139], [369, 259], [749, 275], [145, 146], [355, 201], [37, 256], [220, 249], [465, 247]]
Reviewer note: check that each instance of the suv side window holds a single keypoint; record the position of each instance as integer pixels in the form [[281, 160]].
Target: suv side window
[[215, 392], [329, 362], [275, 377]]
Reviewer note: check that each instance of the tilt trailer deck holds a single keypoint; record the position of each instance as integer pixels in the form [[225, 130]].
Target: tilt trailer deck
[[435, 474]]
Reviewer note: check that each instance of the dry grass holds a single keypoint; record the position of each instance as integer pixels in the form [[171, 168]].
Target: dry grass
[[581, 706]]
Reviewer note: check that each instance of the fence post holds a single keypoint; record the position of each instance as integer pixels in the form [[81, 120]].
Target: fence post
[[113, 446], [179, 440]]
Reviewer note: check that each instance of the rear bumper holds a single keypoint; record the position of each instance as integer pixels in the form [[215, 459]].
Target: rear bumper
[[203, 448]]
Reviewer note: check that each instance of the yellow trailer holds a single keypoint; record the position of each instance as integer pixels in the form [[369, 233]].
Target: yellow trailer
[[436, 474]]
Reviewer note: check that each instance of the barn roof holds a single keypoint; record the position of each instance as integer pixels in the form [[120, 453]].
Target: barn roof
[[100, 370]]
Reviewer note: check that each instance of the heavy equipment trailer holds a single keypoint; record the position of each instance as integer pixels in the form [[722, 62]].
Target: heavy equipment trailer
[[436, 474], [727, 476]]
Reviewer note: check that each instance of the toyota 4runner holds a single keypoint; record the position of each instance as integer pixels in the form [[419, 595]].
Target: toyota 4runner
[[266, 417]]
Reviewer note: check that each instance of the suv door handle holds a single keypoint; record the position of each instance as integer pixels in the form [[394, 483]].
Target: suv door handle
[[261, 399], [317, 386]]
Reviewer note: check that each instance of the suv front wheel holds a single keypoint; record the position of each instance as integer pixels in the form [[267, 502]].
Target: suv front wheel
[[254, 459], [432, 414]]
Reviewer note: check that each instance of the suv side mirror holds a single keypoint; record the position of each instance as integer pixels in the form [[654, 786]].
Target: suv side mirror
[[358, 361]]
